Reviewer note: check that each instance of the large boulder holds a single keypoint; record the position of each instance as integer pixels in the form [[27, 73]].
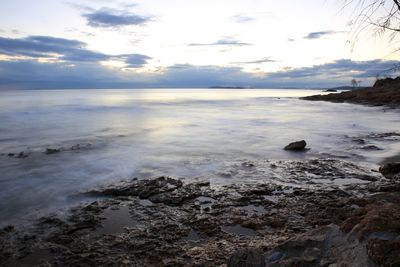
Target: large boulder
[[296, 146], [391, 170]]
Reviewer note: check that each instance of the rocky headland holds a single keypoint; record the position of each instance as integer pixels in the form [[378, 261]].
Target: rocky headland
[[385, 92]]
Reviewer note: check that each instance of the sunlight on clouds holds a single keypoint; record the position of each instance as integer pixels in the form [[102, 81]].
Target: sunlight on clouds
[[113, 64], [146, 38]]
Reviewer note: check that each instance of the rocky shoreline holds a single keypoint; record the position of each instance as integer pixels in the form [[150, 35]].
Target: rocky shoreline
[[326, 212], [168, 222], [385, 92]]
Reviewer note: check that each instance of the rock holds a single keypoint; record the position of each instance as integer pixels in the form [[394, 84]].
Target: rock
[[50, 151], [324, 246], [247, 258], [371, 148], [21, 155], [391, 170], [296, 146], [330, 90], [386, 82], [374, 218], [7, 229], [385, 253], [140, 188]]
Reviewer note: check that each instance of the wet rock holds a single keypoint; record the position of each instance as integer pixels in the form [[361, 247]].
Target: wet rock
[[11, 155], [149, 222], [324, 246], [140, 188], [247, 258], [359, 141], [296, 146], [7, 229], [248, 164], [391, 170], [21, 155], [374, 218], [371, 148], [50, 151], [385, 253]]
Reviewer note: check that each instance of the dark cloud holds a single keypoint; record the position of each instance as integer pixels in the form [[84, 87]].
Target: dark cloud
[[259, 61], [108, 18], [343, 69], [242, 18], [136, 60], [317, 35], [62, 49], [222, 42], [39, 46]]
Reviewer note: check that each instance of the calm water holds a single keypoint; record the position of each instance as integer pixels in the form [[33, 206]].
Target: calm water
[[191, 133]]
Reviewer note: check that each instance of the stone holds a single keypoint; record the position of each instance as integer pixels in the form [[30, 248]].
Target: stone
[[385, 253], [21, 155], [296, 146], [50, 151], [373, 218], [391, 170]]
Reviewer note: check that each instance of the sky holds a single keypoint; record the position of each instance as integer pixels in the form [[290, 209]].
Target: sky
[[187, 43]]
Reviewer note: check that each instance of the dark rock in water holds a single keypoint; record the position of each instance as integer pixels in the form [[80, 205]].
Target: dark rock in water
[[359, 141], [391, 170], [371, 148], [330, 90], [296, 146], [247, 258], [11, 155], [21, 155], [50, 151]]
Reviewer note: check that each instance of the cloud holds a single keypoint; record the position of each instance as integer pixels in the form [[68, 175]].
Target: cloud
[[33, 74], [291, 40], [39, 46], [259, 61], [239, 18], [135, 60], [61, 49], [317, 35], [222, 42], [108, 18], [339, 70]]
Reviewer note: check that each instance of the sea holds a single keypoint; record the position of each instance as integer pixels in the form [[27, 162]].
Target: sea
[[55, 144]]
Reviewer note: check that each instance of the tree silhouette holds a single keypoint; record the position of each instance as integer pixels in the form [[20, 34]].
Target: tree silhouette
[[383, 15], [354, 83]]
